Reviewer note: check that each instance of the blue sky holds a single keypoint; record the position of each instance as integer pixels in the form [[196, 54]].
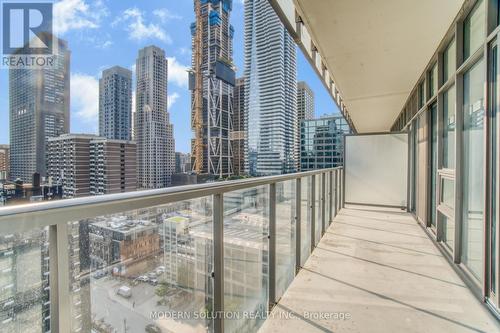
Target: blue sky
[[104, 33]]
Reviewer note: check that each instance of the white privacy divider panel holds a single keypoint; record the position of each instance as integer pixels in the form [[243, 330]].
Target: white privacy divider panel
[[376, 169]]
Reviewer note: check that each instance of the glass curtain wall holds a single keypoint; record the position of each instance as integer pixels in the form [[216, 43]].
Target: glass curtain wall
[[464, 134], [473, 169]]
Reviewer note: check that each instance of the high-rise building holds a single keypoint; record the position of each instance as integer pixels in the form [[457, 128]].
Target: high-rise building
[[270, 93], [113, 166], [39, 110], [212, 85], [322, 142], [238, 133], [182, 162], [305, 101], [4, 162], [87, 164], [153, 131], [115, 103]]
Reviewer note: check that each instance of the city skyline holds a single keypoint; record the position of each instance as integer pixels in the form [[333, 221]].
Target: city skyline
[[97, 43]]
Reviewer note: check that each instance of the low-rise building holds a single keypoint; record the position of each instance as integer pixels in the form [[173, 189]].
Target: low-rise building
[[91, 165]]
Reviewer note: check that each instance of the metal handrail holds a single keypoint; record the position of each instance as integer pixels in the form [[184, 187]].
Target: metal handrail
[[37, 215]]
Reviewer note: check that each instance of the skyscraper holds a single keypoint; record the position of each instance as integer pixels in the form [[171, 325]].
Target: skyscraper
[[238, 133], [212, 85], [39, 110], [305, 101], [270, 93], [115, 103], [153, 131]]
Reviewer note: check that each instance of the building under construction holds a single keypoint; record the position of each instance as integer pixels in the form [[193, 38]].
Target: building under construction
[[212, 82]]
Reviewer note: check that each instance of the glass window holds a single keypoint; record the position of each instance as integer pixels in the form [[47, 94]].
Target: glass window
[[433, 81], [448, 192], [421, 95], [474, 29], [473, 174], [449, 128], [449, 61], [448, 230]]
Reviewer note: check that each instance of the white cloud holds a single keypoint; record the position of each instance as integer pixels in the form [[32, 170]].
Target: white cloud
[[106, 44], [78, 14], [177, 73], [171, 99], [164, 15], [138, 29], [85, 98]]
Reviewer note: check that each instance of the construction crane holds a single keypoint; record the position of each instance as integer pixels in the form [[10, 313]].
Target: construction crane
[[197, 121]]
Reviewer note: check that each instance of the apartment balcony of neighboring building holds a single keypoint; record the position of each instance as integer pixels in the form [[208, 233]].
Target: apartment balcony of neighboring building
[[403, 238]]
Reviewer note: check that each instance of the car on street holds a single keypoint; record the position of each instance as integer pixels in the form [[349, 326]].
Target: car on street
[[124, 291], [143, 278]]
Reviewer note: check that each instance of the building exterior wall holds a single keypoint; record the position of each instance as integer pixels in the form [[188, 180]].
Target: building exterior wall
[[4, 162], [182, 162], [115, 104], [270, 93], [112, 166], [68, 163], [153, 130], [216, 47], [39, 110], [238, 134], [305, 101], [322, 143]]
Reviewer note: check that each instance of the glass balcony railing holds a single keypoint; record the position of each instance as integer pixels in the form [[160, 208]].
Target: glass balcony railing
[[202, 258]]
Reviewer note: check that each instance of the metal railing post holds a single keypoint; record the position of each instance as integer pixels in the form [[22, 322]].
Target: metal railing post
[[272, 245], [218, 273], [335, 193], [330, 198], [298, 212], [342, 193], [313, 212], [323, 203], [60, 314]]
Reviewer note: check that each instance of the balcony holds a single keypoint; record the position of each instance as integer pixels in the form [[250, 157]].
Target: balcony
[[377, 270], [218, 257]]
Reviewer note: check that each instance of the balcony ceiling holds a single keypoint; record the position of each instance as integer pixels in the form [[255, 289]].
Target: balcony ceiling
[[376, 50]]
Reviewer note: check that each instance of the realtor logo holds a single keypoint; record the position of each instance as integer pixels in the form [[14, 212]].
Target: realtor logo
[[27, 39], [27, 27]]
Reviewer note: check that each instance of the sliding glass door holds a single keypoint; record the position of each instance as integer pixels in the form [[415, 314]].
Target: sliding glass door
[[473, 170], [493, 174]]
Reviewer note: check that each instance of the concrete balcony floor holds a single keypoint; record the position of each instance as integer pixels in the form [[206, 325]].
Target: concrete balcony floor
[[379, 267]]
